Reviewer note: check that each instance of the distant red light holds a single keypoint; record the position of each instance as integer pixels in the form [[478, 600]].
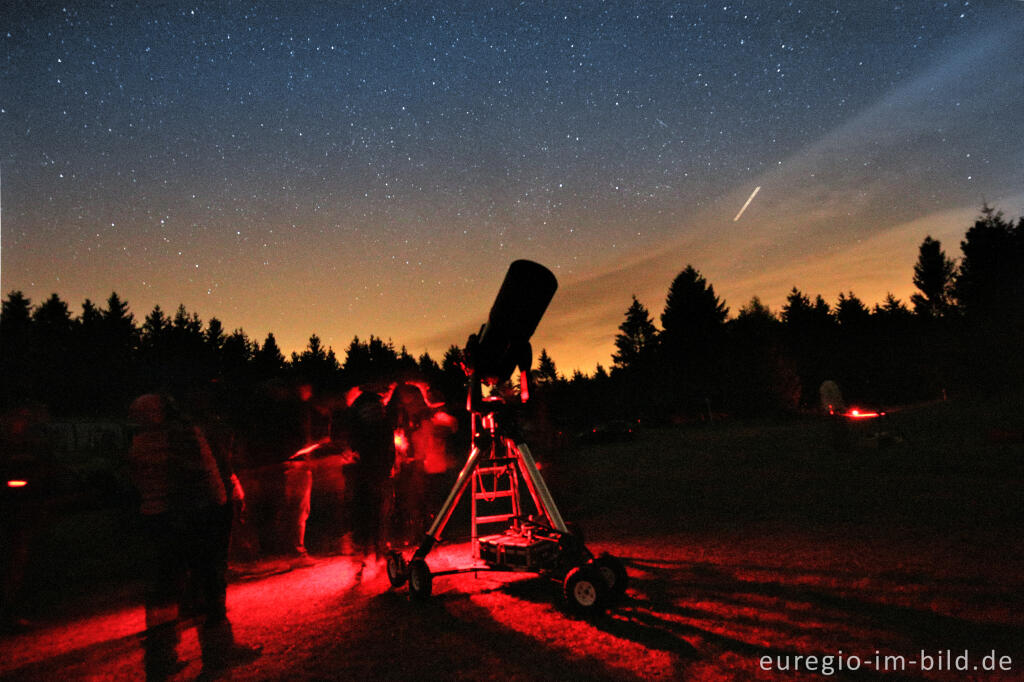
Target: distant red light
[[855, 413], [17, 484]]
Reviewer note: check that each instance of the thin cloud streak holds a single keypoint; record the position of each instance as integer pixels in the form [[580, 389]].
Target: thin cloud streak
[[874, 177]]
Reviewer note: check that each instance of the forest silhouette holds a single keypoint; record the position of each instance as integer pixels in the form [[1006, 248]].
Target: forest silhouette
[[959, 333]]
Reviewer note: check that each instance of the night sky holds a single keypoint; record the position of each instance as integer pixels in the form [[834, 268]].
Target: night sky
[[345, 169]]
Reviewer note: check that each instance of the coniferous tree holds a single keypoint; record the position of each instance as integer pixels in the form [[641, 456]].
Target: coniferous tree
[[236, 353], [155, 345], [155, 327], [990, 282], [268, 360], [51, 350], [91, 381], [855, 362], [214, 335], [427, 365], [762, 377], [120, 342], [902, 345], [15, 347], [851, 313], [892, 308], [405, 363], [636, 342], [119, 319], [809, 331], [989, 289], [933, 276], [192, 360], [692, 311], [693, 328], [546, 373], [316, 364]]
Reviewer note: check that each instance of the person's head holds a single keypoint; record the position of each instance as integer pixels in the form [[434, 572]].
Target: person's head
[[148, 410], [408, 397]]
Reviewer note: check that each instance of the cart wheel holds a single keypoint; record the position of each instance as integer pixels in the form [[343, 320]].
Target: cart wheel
[[614, 573], [419, 579], [397, 569], [585, 590]]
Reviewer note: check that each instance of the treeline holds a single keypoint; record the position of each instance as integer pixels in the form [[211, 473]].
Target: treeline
[[92, 365], [960, 332]]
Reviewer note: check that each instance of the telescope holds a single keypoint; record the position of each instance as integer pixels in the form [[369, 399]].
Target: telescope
[[503, 342], [498, 469]]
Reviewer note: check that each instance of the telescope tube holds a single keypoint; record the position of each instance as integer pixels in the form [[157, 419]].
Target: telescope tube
[[504, 341]]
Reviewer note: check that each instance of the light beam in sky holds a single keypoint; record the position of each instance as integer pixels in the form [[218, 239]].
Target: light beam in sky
[[752, 195]]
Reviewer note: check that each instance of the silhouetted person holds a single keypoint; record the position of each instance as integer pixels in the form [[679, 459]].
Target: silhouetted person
[[431, 439], [182, 505], [25, 482], [372, 439], [216, 636], [286, 426], [407, 410]]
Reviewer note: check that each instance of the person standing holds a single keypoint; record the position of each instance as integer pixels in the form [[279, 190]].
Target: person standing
[[182, 503], [371, 437], [25, 500], [407, 411], [438, 463]]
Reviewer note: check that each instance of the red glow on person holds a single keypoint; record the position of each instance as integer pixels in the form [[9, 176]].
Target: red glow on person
[[401, 442], [310, 448]]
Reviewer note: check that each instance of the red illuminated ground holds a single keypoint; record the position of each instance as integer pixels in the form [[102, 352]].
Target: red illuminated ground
[[738, 547]]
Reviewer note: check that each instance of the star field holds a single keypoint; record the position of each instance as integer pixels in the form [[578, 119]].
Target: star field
[[373, 168]]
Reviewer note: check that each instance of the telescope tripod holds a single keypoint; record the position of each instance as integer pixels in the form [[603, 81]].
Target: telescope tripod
[[541, 542]]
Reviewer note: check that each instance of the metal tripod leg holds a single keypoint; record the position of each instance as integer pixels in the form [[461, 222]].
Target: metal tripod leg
[[542, 498], [441, 520]]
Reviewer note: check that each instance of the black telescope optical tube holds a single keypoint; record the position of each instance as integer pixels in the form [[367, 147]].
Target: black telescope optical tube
[[504, 341]]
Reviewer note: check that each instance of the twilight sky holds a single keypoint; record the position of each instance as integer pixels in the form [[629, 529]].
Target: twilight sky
[[373, 168]]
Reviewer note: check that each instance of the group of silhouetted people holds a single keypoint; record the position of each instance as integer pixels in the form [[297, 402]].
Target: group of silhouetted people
[[399, 436], [189, 495]]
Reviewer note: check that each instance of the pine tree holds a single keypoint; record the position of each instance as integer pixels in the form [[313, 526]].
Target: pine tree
[[546, 373], [933, 276], [851, 313], [990, 282], [268, 360], [637, 339], [693, 329], [692, 310]]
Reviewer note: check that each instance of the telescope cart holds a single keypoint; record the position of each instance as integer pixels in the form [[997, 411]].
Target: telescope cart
[[498, 467]]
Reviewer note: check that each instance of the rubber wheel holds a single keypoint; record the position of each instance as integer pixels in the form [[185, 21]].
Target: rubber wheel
[[419, 579], [585, 590], [613, 572], [397, 569]]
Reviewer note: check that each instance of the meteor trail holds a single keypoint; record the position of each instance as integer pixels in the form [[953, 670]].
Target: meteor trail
[[752, 195]]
